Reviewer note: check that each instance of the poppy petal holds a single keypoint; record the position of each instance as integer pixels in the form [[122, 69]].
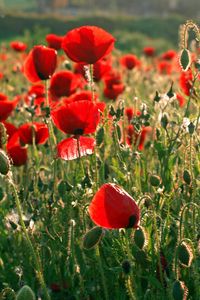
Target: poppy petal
[[68, 148]]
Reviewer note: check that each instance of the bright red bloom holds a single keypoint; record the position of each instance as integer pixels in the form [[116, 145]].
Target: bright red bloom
[[83, 95], [169, 55], [37, 90], [6, 107], [54, 41], [112, 207], [87, 44], [30, 130], [63, 83], [74, 147], [40, 63], [149, 51], [185, 82], [80, 117], [18, 46], [17, 153], [130, 61]]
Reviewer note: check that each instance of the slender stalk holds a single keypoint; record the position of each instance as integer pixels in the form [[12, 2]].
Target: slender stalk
[[35, 255]]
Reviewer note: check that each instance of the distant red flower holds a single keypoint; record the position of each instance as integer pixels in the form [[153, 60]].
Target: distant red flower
[[54, 41], [37, 90], [129, 112], [18, 46], [180, 99], [139, 138], [112, 207], [113, 85], [17, 153], [149, 51], [101, 68], [87, 44], [169, 55], [185, 82], [130, 61], [6, 107], [40, 63], [29, 130], [76, 118], [63, 83], [164, 67]]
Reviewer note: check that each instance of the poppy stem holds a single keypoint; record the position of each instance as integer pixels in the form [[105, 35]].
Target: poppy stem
[[102, 274], [92, 81], [35, 255]]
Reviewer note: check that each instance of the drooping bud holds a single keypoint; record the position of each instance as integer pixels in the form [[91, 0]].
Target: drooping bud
[[155, 180], [126, 266], [92, 237], [187, 177], [185, 254], [139, 237], [185, 59]]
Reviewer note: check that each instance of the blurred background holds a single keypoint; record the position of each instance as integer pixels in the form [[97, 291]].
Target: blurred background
[[135, 23]]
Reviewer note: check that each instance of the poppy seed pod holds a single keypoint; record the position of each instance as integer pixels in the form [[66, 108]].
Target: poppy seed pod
[[112, 207]]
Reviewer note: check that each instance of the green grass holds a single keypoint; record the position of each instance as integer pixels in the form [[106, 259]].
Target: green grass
[[132, 33]]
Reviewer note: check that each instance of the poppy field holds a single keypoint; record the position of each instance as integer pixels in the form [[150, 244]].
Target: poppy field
[[99, 169]]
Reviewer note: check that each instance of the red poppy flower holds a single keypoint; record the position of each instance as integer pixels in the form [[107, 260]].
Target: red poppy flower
[[130, 61], [74, 147], [18, 46], [77, 118], [112, 207], [40, 63], [63, 83], [29, 130], [113, 85], [87, 44], [169, 55], [17, 153], [54, 41], [164, 67], [37, 90], [6, 107], [149, 51], [185, 82]]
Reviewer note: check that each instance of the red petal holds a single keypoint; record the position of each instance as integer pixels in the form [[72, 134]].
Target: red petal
[[68, 149], [113, 207]]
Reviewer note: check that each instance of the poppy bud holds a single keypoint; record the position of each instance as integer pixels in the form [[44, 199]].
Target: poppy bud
[[155, 180], [141, 257], [187, 177], [25, 293], [140, 237], [126, 266], [3, 135], [92, 237], [185, 254], [4, 163], [179, 291], [164, 121]]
